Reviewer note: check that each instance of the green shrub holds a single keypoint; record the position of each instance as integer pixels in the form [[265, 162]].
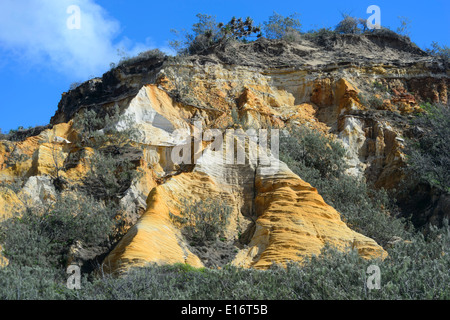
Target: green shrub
[[113, 165], [184, 267], [32, 283], [87, 123], [348, 24], [280, 27], [375, 102], [154, 54], [207, 33], [308, 148], [109, 176], [97, 128], [203, 221], [429, 154], [43, 237], [320, 161], [313, 34], [414, 270]]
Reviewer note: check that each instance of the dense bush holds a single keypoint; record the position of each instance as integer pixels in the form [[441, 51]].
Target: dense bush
[[372, 100], [311, 149], [319, 160], [32, 283], [42, 237], [348, 24], [109, 175], [105, 127], [204, 220], [154, 54], [315, 34], [113, 164], [280, 27], [207, 33], [429, 155], [415, 270], [416, 266]]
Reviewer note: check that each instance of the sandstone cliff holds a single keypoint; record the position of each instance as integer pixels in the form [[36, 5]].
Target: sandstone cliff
[[359, 89]]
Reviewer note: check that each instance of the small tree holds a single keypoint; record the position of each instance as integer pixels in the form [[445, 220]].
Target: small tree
[[204, 34], [96, 130], [145, 55], [109, 175], [43, 236], [438, 51], [280, 27], [87, 123], [203, 220], [348, 24], [207, 33], [429, 156], [404, 28], [238, 29], [313, 149]]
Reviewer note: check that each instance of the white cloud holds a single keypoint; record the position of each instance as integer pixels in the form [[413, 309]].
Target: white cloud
[[35, 32]]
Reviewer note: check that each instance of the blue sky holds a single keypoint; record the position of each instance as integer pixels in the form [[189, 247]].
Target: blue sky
[[40, 56]]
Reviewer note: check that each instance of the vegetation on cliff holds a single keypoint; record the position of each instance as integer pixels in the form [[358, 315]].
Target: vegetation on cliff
[[320, 161], [40, 241], [429, 152], [416, 268]]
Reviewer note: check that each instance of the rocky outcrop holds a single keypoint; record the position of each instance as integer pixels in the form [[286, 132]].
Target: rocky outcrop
[[9, 203], [293, 221], [361, 90], [283, 218], [119, 84]]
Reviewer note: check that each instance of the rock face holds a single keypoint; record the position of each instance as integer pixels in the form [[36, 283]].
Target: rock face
[[284, 217], [334, 85]]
